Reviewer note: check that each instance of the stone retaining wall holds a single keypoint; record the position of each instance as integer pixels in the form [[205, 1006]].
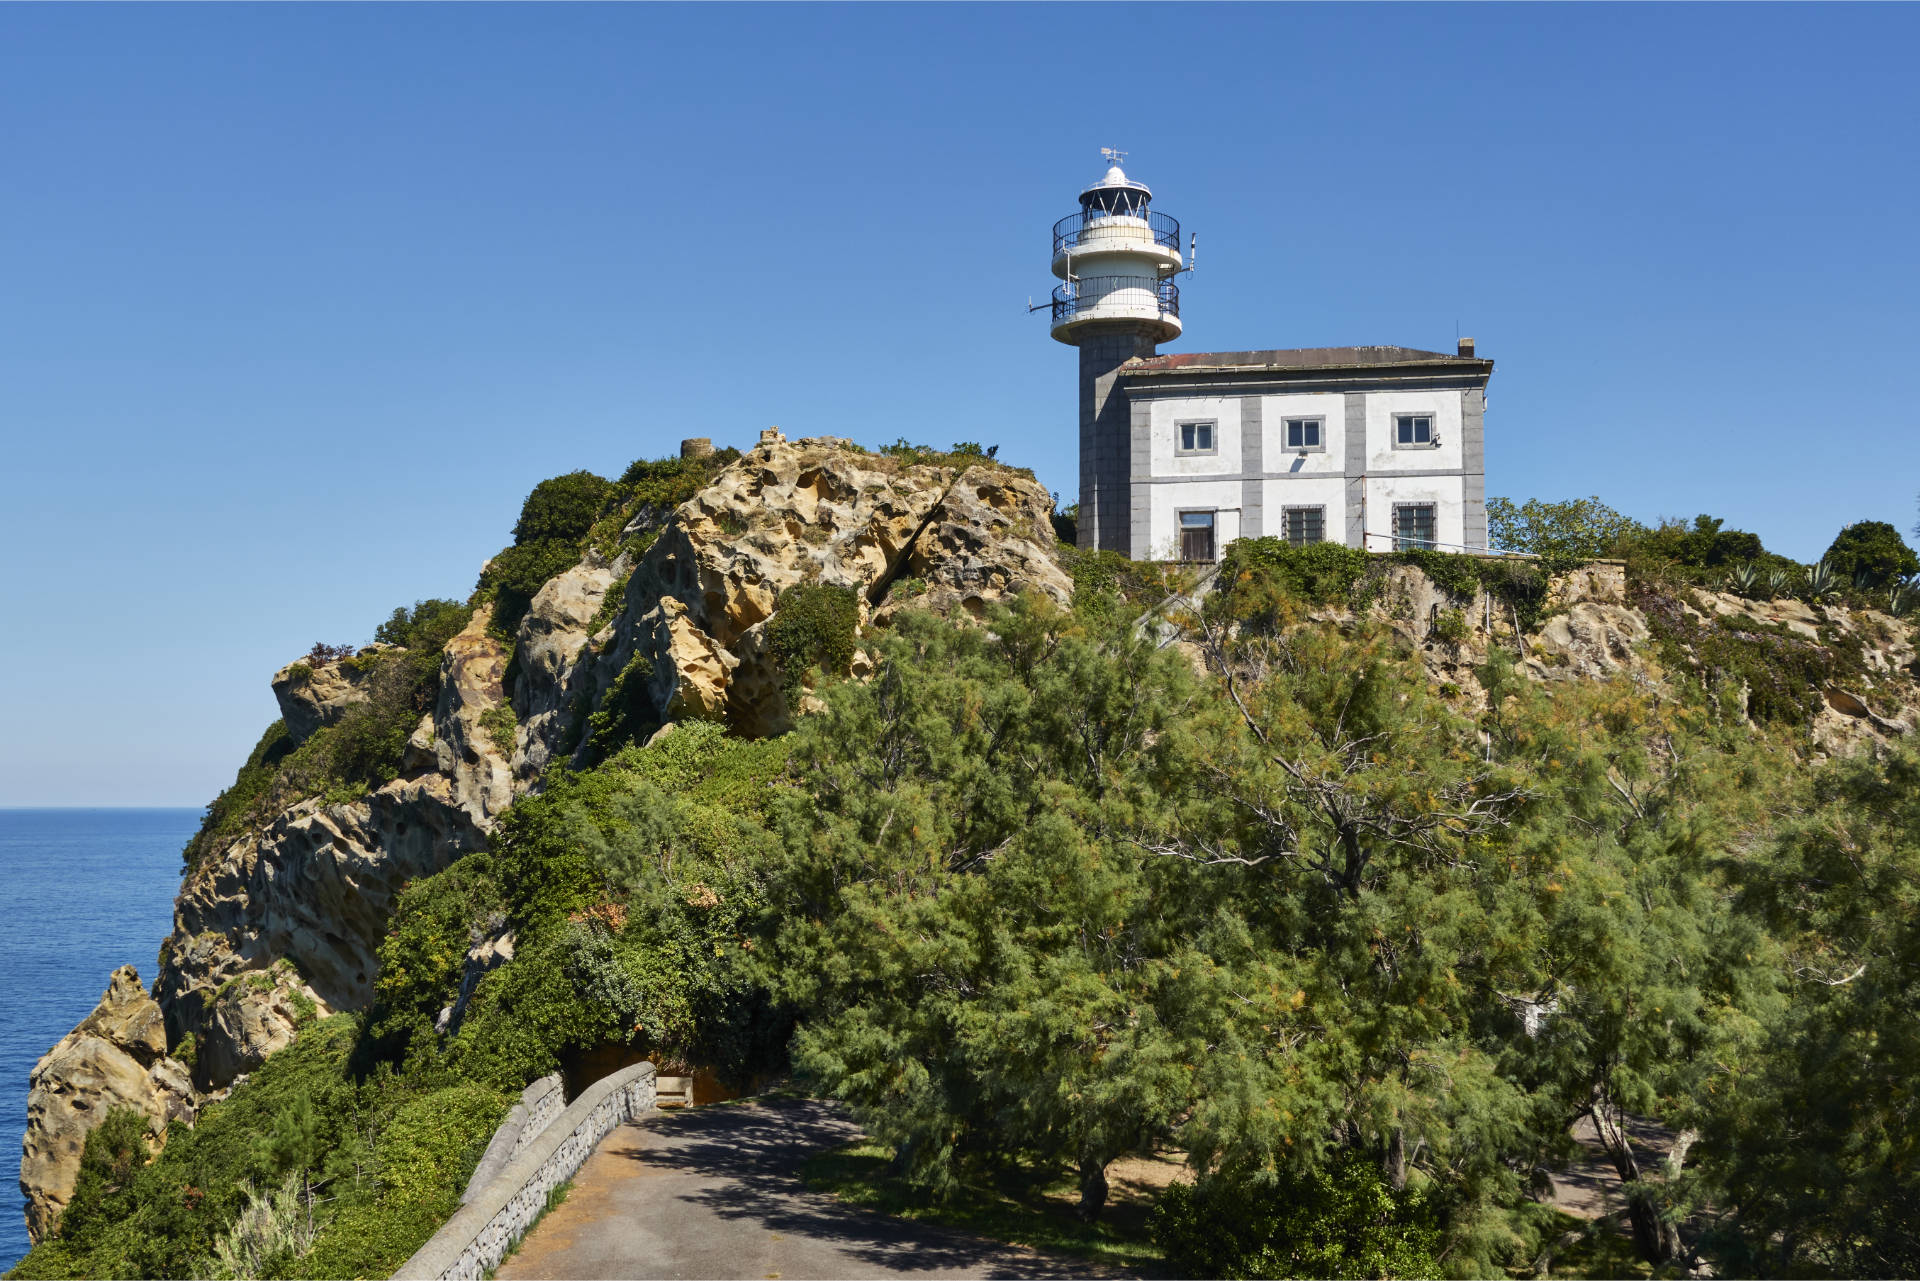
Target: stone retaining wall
[[539, 1104], [471, 1244]]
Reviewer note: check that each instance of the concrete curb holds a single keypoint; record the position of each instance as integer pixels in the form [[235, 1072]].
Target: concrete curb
[[471, 1244]]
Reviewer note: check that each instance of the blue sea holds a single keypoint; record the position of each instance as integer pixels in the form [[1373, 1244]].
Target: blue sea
[[86, 891]]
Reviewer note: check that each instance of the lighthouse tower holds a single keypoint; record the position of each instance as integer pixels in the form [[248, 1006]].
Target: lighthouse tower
[[1117, 259]]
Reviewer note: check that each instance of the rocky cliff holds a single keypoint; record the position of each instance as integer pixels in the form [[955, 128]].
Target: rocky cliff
[[281, 923], [677, 616]]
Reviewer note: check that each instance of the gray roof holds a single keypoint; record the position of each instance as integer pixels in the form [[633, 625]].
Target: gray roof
[[1299, 358]]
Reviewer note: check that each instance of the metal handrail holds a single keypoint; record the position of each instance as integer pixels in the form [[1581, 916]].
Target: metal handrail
[[1069, 298], [1069, 230]]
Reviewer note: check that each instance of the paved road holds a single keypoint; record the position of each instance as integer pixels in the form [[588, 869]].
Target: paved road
[[715, 1192]]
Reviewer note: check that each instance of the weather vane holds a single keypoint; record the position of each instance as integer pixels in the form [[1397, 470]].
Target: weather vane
[[1113, 156]]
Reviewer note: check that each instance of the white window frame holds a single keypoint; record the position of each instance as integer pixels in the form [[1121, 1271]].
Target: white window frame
[[1213, 437], [1180, 533], [1433, 430], [1286, 513], [1320, 430]]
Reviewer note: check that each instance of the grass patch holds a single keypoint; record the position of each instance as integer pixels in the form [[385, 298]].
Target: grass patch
[[1019, 1205]]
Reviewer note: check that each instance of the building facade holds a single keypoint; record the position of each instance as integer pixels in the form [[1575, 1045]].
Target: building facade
[[1180, 454]]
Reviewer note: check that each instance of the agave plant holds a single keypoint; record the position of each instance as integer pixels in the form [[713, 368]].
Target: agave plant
[[1902, 597], [1822, 581], [1779, 582], [1745, 579]]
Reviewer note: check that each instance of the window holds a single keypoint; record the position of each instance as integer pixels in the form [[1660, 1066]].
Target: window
[[1413, 431], [1413, 526], [1196, 438], [1306, 525], [1196, 536], [1305, 433]]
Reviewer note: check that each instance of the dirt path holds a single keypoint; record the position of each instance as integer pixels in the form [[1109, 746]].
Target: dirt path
[[716, 1192]]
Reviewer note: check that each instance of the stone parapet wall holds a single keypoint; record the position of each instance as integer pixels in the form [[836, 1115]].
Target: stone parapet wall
[[539, 1104], [472, 1243]]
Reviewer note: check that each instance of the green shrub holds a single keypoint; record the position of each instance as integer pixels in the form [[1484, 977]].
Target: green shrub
[[388, 1152], [1707, 543], [626, 711], [1106, 580], [513, 578], [1343, 1220], [1782, 674], [1066, 523], [227, 817], [633, 888], [500, 725], [424, 952], [430, 624], [1450, 627], [562, 509], [812, 626], [1562, 533], [1873, 552], [1319, 573]]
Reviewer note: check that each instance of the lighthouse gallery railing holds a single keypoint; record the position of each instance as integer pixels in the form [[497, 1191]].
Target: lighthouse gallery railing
[[1083, 295], [1070, 230]]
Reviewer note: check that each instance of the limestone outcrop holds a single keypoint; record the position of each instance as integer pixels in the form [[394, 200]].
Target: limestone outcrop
[[255, 1015], [472, 684], [314, 888], [690, 640], [552, 636], [315, 694], [116, 1058]]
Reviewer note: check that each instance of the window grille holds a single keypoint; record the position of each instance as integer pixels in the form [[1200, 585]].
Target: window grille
[[1306, 525], [1413, 526]]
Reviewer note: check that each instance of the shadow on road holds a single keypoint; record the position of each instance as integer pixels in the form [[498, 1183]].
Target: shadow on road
[[759, 1148]]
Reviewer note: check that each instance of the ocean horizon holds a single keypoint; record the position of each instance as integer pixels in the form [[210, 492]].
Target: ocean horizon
[[90, 889]]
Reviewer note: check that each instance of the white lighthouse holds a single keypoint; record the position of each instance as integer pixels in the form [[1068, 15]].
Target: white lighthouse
[[1378, 447], [1117, 258]]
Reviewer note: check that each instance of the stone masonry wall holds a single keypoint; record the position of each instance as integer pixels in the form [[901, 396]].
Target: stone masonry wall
[[540, 1104], [471, 1244]]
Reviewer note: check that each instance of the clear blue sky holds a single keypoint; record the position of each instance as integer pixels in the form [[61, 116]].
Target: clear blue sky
[[298, 302]]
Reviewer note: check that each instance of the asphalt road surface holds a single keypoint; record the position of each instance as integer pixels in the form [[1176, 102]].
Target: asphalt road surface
[[716, 1192]]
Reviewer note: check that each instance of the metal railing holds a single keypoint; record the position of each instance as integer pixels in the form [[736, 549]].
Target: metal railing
[[1070, 299], [1073, 228]]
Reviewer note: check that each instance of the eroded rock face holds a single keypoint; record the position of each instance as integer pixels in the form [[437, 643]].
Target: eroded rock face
[[552, 636], [471, 676], [316, 888], [315, 695], [255, 1015], [116, 1058], [1590, 641], [812, 511], [990, 537]]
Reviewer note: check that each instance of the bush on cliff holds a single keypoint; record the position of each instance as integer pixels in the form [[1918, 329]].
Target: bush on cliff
[[635, 891], [1871, 552], [356, 754], [812, 628], [380, 1158]]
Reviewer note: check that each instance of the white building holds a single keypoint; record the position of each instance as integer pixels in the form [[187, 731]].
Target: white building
[[1374, 447]]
